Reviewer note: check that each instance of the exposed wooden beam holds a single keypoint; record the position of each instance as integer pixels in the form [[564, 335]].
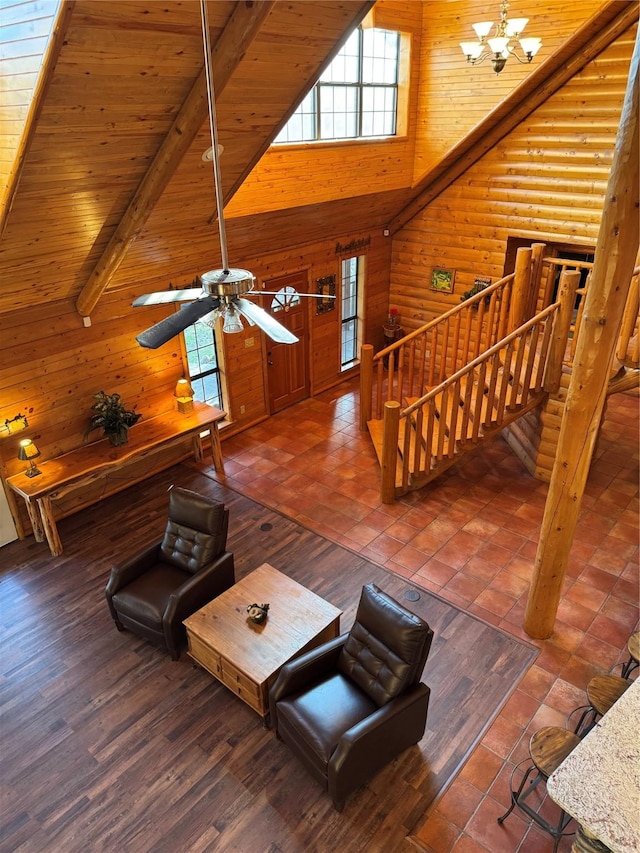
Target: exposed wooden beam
[[49, 60], [615, 257], [590, 40], [242, 28]]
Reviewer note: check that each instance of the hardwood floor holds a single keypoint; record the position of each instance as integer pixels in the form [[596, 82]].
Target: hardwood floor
[[108, 744]]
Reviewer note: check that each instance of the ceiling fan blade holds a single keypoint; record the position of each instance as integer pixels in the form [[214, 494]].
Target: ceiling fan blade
[[278, 293], [168, 328], [163, 296], [269, 326]]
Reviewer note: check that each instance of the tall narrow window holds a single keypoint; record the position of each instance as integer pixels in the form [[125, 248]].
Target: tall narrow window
[[356, 97], [351, 321], [202, 360]]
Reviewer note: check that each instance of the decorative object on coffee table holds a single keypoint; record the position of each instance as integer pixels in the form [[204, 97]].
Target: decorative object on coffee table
[[112, 416], [257, 613]]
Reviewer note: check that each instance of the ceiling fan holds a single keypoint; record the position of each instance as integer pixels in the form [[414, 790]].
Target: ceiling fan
[[223, 291]]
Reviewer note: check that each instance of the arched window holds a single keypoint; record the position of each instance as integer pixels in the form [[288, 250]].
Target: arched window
[[284, 299]]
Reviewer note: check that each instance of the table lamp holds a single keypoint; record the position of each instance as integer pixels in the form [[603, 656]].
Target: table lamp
[[184, 396], [27, 453]]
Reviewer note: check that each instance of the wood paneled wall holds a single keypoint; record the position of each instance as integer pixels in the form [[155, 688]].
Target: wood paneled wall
[[447, 112], [52, 364], [544, 182], [287, 176]]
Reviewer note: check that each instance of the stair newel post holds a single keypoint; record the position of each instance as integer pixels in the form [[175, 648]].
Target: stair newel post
[[521, 289], [537, 256], [390, 434], [569, 281], [366, 384]]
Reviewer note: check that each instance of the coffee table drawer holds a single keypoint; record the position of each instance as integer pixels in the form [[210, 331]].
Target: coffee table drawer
[[240, 684], [205, 656]]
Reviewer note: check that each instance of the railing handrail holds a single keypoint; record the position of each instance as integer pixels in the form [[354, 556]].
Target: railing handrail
[[461, 306], [485, 356]]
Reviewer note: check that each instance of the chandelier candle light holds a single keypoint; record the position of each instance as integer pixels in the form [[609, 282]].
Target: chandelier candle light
[[500, 47]]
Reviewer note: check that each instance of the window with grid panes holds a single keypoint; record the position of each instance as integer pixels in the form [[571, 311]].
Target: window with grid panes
[[356, 97], [202, 361], [350, 321]]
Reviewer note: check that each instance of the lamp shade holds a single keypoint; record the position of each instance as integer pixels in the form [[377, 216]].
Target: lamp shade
[[483, 28], [27, 450], [183, 388], [232, 321], [184, 396], [472, 49], [515, 26], [530, 46]]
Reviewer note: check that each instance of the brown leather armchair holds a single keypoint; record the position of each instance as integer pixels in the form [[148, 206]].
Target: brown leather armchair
[[153, 591], [350, 706]]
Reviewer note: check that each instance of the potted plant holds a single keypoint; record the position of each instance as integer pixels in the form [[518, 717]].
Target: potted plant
[[112, 416]]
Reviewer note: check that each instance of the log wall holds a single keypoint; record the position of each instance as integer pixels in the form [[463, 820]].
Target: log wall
[[447, 113], [544, 182]]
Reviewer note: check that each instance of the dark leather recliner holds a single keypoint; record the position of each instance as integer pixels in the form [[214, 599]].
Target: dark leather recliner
[[350, 706], [157, 588]]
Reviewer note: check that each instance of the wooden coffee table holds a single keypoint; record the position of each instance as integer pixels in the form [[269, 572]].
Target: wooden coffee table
[[247, 657]]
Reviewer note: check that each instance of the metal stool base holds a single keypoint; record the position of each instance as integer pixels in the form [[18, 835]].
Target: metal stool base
[[518, 799]]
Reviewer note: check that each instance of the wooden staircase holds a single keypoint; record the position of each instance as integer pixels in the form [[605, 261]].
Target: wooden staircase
[[440, 391], [434, 430]]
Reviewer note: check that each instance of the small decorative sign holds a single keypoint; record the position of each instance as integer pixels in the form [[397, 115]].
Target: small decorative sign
[[442, 279], [326, 289], [353, 246]]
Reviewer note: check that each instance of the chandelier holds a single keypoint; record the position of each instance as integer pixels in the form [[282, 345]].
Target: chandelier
[[501, 46]]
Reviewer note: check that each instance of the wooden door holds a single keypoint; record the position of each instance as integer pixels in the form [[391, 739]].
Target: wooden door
[[288, 364]]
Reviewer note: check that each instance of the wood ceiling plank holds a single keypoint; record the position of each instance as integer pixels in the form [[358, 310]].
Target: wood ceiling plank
[[227, 53]]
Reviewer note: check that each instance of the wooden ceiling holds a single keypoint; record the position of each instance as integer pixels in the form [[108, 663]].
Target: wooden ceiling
[[121, 122], [110, 187]]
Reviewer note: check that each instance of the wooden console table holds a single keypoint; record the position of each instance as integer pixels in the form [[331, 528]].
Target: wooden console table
[[91, 461]]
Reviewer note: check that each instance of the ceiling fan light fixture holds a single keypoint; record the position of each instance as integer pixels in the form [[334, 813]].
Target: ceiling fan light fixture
[[232, 321], [222, 290]]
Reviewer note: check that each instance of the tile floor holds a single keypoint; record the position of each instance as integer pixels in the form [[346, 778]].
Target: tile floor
[[471, 538]]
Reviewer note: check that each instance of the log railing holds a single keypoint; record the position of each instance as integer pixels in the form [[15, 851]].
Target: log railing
[[628, 350], [424, 358], [509, 377], [433, 394]]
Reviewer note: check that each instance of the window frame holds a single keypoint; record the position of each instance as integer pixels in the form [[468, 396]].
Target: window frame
[[196, 377], [398, 88], [356, 318]]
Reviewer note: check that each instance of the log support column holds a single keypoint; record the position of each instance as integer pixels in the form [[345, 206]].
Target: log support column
[[605, 301]]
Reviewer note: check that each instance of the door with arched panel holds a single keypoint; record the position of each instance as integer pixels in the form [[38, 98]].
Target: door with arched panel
[[288, 364]]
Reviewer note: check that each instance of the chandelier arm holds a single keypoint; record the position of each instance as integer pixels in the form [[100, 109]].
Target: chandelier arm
[[484, 55], [214, 133], [512, 52]]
